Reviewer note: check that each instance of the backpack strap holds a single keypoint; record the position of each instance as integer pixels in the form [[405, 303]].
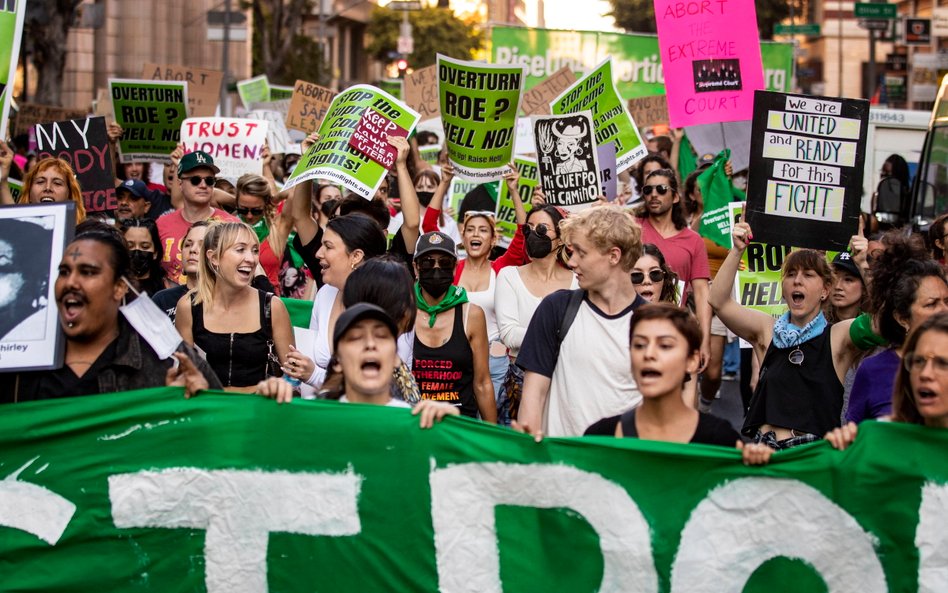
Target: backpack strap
[[572, 308]]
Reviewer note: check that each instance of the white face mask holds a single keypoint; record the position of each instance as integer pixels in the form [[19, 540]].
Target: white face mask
[[152, 324]]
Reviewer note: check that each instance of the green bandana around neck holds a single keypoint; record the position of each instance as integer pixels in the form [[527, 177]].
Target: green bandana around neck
[[452, 298]]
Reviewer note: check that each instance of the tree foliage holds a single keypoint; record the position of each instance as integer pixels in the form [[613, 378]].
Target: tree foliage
[[280, 50], [45, 28], [435, 30], [638, 16]]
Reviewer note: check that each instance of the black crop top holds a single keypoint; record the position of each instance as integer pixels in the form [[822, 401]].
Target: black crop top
[[239, 359]]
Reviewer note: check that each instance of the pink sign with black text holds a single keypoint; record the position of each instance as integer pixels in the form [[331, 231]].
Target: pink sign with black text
[[710, 52]]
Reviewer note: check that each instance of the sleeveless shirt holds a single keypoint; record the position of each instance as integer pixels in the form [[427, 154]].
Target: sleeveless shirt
[[238, 359], [446, 373]]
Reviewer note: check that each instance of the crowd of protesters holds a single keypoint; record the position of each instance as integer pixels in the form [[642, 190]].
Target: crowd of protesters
[[613, 320]]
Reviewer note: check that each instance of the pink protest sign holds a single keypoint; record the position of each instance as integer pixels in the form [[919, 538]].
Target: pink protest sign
[[371, 137], [711, 59]]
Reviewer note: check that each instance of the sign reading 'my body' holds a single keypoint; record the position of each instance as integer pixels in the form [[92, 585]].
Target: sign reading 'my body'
[[84, 144], [807, 157]]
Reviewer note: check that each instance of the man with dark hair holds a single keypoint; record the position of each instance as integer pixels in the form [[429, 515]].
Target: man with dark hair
[[25, 249]]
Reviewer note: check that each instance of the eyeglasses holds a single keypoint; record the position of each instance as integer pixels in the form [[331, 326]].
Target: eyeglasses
[[660, 189], [209, 181], [246, 211], [429, 263], [915, 363], [653, 275]]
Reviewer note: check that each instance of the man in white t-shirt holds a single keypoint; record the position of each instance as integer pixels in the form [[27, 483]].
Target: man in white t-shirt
[[571, 381]]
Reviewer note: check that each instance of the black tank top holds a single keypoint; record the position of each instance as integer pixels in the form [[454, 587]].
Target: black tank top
[[807, 398], [447, 373], [238, 359]]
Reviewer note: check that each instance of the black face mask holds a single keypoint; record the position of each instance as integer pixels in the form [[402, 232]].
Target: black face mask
[[436, 281], [141, 261], [425, 197], [538, 246]]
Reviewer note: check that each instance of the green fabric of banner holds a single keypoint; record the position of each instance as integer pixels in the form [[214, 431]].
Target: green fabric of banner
[[301, 311], [686, 158], [146, 491], [717, 192]]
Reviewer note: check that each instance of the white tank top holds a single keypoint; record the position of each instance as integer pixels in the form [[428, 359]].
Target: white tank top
[[485, 300]]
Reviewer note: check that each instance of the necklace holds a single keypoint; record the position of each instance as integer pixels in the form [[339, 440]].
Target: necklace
[[796, 356]]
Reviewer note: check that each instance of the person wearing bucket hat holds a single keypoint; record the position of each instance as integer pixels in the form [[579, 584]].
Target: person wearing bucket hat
[[196, 174], [450, 350]]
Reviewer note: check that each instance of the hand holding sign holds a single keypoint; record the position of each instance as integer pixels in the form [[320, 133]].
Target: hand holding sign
[[400, 144], [741, 236], [512, 178]]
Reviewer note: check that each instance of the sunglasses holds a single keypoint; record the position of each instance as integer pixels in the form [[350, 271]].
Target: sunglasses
[[485, 213], [653, 275], [429, 263], [210, 180], [660, 189], [246, 211]]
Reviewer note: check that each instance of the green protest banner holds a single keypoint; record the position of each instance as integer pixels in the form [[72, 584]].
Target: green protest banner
[[597, 93], [254, 90], [333, 159], [717, 193], [11, 30], [150, 113], [506, 210], [479, 107], [146, 491], [636, 61]]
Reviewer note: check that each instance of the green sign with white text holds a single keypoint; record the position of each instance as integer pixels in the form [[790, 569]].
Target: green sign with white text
[[11, 30], [151, 113], [148, 492]]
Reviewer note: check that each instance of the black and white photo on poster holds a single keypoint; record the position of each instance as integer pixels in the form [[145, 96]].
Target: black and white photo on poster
[[567, 159], [32, 239]]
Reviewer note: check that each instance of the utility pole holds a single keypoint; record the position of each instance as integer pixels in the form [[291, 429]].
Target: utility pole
[[225, 59]]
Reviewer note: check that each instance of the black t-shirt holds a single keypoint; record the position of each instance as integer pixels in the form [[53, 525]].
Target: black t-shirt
[[63, 382], [711, 430], [160, 204], [167, 299]]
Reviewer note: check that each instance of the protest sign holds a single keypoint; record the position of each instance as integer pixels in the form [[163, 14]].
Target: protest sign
[[421, 92], [649, 111], [102, 105], [479, 107], [30, 114], [278, 138], [568, 162], [505, 211], [429, 153], [460, 188], [308, 106], [16, 189], [333, 159], [204, 85], [11, 30], [597, 92], [253, 90], [758, 285], [370, 137], [84, 144], [608, 178], [635, 57], [711, 59], [537, 100], [34, 238], [150, 492], [234, 144], [280, 92], [150, 114], [807, 156]]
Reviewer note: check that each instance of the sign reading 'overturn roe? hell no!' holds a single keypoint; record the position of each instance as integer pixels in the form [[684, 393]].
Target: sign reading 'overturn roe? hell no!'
[[807, 157]]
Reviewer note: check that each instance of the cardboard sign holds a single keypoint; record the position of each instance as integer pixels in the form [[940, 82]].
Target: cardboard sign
[[567, 158], [204, 85], [421, 92], [308, 106], [479, 106], [277, 136], [807, 156], [371, 137], [151, 114], [649, 111], [235, 144], [537, 100], [597, 93], [711, 59], [333, 158], [84, 144], [30, 114]]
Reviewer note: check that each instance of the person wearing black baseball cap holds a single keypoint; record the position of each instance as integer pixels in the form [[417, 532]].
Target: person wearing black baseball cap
[[132, 200], [849, 297], [451, 347], [196, 171]]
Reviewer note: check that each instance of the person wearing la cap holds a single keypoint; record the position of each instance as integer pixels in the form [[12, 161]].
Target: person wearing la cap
[[196, 171], [450, 361], [132, 200]]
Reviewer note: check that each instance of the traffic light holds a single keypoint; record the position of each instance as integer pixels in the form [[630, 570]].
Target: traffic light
[[402, 67]]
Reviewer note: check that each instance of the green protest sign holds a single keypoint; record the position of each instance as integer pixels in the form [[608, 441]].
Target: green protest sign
[[254, 90], [636, 62], [11, 29], [458, 189], [16, 189], [333, 159], [280, 93], [506, 209], [148, 492], [758, 286], [597, 92], [430, 153], [150, 113], [479, 107]]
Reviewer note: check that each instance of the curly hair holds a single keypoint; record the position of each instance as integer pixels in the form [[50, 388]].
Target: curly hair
[[607, 227], [63, 168]]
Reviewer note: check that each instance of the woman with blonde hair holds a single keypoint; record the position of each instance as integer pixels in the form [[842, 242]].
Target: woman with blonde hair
[[255, 207], [245, 332]]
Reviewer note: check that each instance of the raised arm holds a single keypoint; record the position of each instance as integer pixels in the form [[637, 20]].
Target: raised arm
[[433, 213], [411, 208], [6, 162], [301, 202]]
